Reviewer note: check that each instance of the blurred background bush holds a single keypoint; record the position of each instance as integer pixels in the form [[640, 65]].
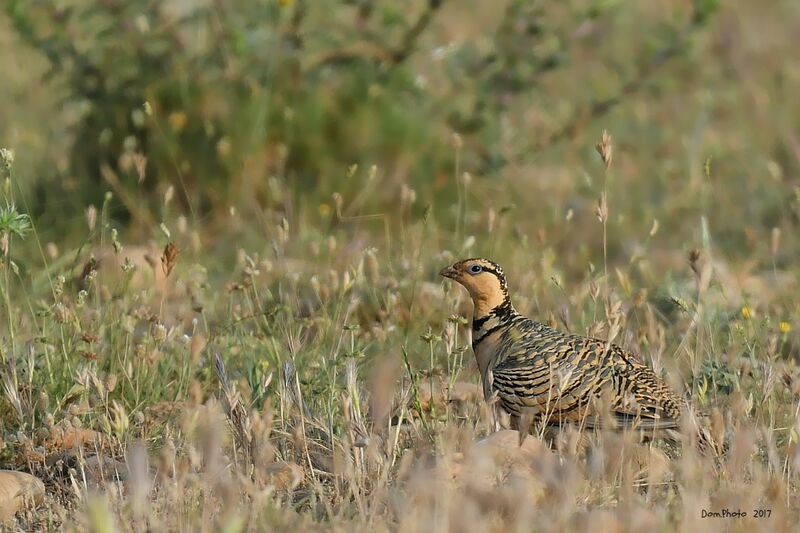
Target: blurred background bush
[[321, 110]]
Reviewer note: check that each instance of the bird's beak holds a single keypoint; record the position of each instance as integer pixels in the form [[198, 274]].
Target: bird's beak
[[449, 272]]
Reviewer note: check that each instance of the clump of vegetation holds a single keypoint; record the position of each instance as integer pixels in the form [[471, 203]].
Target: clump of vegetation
[[220, 302], [218, 100]]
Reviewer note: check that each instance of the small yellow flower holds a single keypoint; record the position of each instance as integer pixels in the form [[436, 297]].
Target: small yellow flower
[[177, 121], [747, 312], [784, 327], [285, 3], [223, 147]]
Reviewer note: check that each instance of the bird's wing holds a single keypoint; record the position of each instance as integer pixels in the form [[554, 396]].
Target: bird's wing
[[586, 381], [638, 398]]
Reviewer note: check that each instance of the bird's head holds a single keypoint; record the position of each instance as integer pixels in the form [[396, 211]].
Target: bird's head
[[483, 279]]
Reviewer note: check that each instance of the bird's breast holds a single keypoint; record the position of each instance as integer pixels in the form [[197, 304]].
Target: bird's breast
[[486, 346]]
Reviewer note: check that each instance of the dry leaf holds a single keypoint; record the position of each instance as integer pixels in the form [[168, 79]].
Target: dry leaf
[[169, 258], [284, 475]]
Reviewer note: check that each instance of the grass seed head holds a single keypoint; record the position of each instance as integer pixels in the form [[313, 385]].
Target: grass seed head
[[605, 149], [91, 217], [169, 258]]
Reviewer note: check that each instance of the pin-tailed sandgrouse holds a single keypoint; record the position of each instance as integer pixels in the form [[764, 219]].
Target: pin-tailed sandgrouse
[[544, 375]]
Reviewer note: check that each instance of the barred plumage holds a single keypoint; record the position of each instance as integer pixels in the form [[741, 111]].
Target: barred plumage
[[553, 377]]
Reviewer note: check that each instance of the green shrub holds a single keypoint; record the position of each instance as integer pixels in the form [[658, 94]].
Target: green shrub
[[215, 99]]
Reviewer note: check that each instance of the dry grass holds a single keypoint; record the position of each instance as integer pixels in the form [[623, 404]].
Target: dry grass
[[298, 393]]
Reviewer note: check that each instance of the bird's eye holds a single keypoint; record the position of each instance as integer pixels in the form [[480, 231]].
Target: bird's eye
[[475, 269]]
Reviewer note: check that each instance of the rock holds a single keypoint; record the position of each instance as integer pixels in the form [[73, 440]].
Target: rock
[[17, 491], [284, 475]]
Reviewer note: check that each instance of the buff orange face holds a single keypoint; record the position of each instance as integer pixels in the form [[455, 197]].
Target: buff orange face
[[483, 279]]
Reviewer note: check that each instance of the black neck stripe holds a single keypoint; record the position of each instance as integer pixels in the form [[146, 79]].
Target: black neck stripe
[[500, 311], [476, 342], [479, 322]]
